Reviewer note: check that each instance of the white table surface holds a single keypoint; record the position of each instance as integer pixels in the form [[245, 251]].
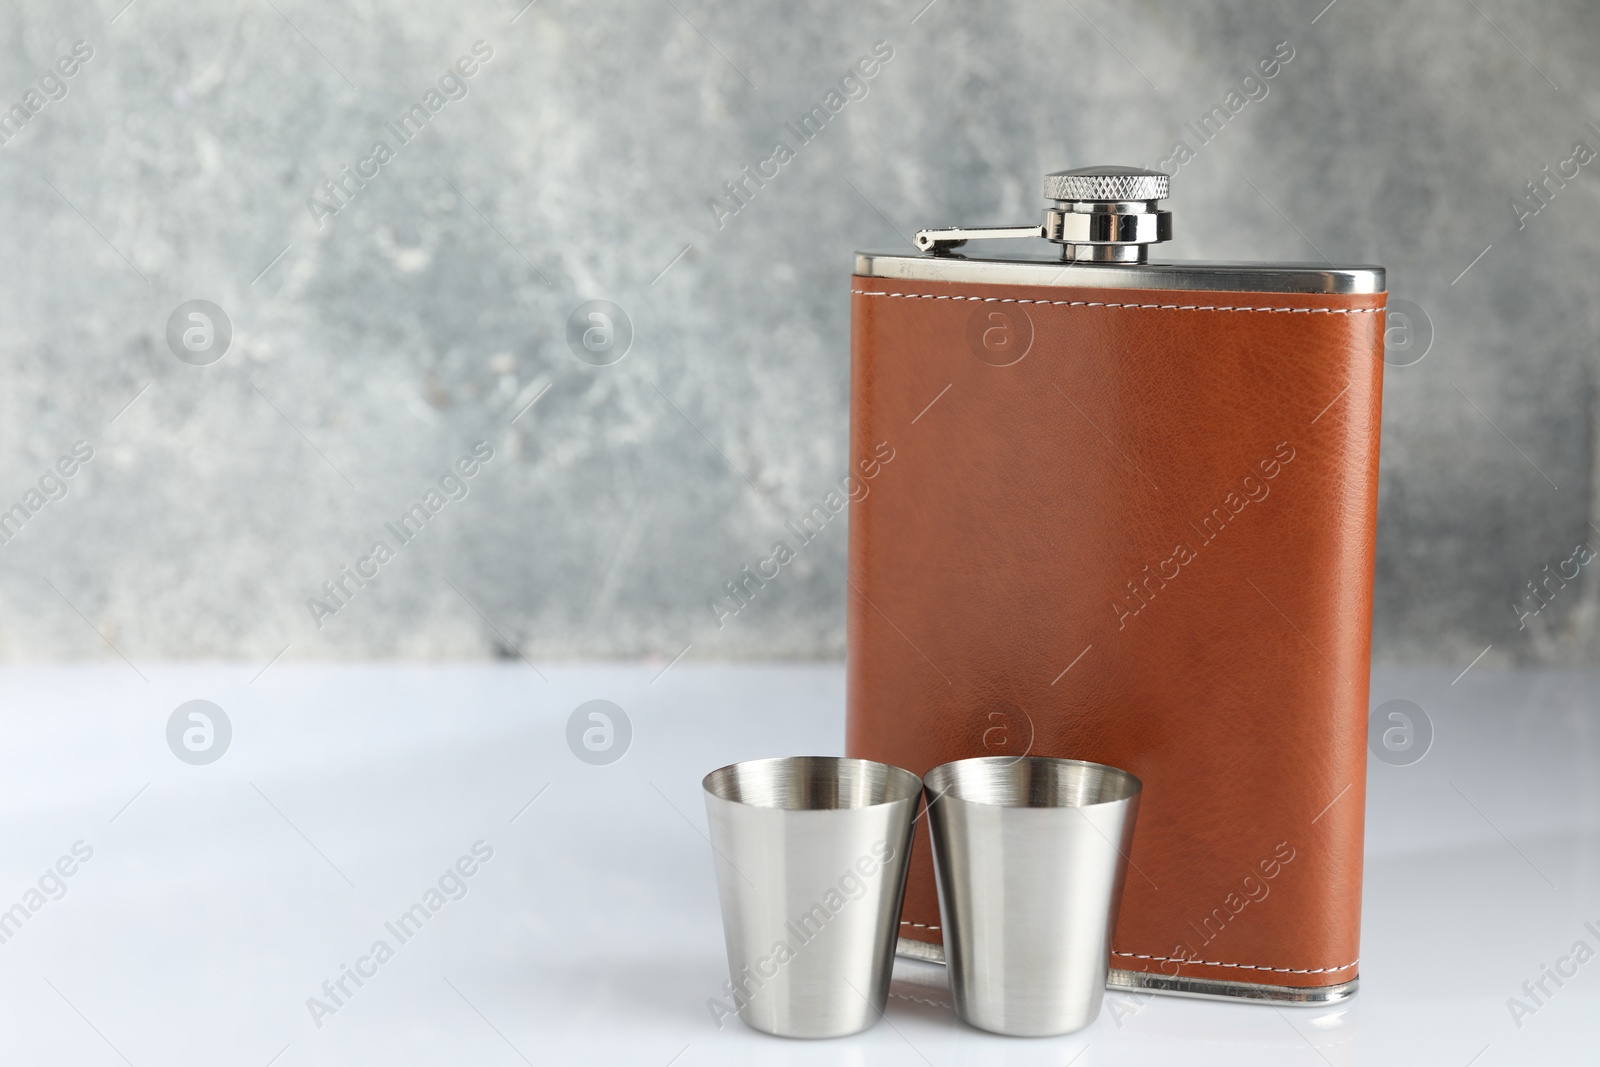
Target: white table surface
[[223, 896]]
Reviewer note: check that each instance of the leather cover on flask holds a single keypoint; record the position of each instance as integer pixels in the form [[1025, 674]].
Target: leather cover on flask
[[1145, 541]]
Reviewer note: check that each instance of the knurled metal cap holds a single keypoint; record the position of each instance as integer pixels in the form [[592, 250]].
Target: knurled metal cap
[[1107, 184]]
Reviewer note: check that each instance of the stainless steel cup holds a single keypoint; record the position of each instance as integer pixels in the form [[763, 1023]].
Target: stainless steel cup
[[811, 865], [1030, 856]]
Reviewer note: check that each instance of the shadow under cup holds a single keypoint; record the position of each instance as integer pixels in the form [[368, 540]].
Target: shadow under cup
[[1030, 856], [811, 858]]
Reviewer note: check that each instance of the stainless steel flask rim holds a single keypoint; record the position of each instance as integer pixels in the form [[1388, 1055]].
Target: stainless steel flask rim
[[1099, 215], [952, 780], [1104, 220], [783, 783]]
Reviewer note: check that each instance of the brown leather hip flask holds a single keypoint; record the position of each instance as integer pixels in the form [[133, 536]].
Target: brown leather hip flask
[[1130, 519]]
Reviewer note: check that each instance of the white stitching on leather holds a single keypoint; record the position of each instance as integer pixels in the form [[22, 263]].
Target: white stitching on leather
[[1105, 304], [1200, 963], [1240, 966]]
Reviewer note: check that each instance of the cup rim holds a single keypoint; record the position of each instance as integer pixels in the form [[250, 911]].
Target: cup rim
[[899, 784], [941, 780]]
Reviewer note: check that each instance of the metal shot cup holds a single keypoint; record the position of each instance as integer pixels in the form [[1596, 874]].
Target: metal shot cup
[[811, 866], [1030, 856]]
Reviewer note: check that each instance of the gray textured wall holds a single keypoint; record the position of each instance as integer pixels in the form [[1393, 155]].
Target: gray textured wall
[[373, 346]]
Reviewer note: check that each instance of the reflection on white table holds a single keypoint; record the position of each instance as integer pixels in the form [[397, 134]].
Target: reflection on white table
[[406, 864]]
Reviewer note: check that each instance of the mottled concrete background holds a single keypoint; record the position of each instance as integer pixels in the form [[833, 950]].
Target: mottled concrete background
[[372, 346]]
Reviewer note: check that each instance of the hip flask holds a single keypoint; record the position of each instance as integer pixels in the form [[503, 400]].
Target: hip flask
[[1130, 520]]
